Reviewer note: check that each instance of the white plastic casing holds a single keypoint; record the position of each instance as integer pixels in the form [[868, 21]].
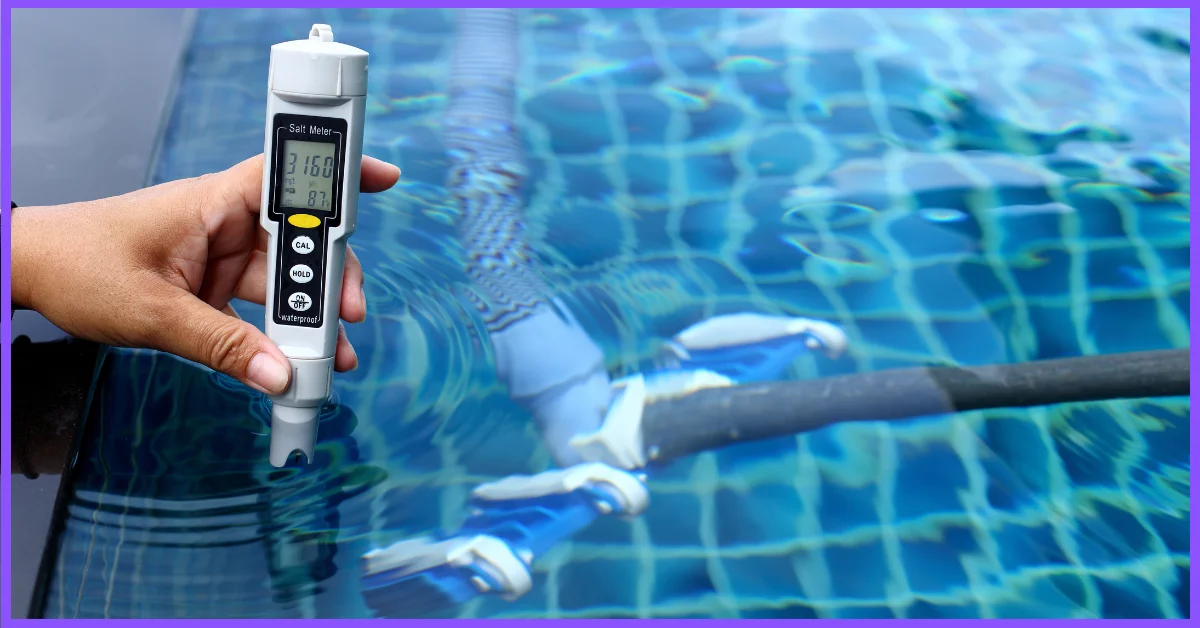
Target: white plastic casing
[[312, 77]]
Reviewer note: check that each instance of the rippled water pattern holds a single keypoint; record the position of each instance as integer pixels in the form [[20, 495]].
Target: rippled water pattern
[[949, 186]]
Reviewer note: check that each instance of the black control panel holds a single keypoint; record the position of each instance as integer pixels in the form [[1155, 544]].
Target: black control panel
[[307, 166]]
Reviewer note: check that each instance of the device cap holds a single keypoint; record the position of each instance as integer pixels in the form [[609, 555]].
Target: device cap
[[318, 66]]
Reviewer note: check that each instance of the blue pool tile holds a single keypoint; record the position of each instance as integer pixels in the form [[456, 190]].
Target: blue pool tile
[[765, 201], [983, 281], [681, 580], [646, 118], [741, 520], [930, 480], [417, 508], [1168, 441], [924, 239], [1183, 303], [736, 290], [935, 566], [872, 298], [1164, 221], [807, 296], [845, 508], [1116, 269], [939, 289], [685, 23], [1023, 547], [928, 610], [971, 342], [770, 577], [1074, 587], [697, 63], [639, 67], [769, 90], [834, 72], [674, 519], [875, 610], [586, 233], [896, 333], [1174, 256], [576, 121], [1098, 217], [796, 610], [1043, 272], [649, 176], [772, 453], [654, 233], [717, 121], [1125, 530], [914, 128], [781, 154], [563, 20], [421, 21], [1020, 449], [826, 446], [862, 572], [1129, 597], [560, 49], [1036, 599], [610, 531], [552, 71], [408, 51], [1054, 330], [424, 160], [1036, 228], [709, 175], [1183, 590], [1090, 442]]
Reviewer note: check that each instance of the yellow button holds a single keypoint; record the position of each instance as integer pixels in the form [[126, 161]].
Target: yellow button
[[304, 221]]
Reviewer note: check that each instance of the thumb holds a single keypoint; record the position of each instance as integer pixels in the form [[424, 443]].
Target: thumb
[[224, 343]]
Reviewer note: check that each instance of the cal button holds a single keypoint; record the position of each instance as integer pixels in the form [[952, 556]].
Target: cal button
[[301, 273], [303, 245]]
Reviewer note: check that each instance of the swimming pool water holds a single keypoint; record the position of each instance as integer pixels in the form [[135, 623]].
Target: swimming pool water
[[949, 186]]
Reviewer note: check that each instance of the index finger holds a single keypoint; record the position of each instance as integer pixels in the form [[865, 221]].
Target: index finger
[[377, 175]]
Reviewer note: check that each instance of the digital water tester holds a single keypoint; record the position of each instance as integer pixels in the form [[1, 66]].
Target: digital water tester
[[312, 162]]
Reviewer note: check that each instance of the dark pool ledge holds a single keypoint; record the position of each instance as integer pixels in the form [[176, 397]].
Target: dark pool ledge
[[84, 126]]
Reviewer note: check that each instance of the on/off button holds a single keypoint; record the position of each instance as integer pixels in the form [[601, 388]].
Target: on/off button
[[299, 301], [301, 273]]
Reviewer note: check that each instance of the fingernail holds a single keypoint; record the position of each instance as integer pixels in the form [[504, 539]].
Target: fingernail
[[267, 374], [362, 296], [355, 354]]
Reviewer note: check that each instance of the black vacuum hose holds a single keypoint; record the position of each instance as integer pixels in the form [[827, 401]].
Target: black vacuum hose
[[717, 417]]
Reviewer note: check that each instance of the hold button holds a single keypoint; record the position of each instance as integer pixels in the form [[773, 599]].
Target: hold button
[[301, 273]]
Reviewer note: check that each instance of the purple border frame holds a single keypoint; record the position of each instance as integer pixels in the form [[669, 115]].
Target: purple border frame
[[6, 180]]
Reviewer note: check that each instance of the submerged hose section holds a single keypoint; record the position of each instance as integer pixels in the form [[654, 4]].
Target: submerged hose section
[[487, 169], [718, 417], [545, 358]]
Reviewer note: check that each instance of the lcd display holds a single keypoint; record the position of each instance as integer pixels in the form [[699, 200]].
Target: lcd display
[[309, 169]]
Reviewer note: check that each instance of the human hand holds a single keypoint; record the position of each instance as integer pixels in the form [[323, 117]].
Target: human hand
[[157, 268]]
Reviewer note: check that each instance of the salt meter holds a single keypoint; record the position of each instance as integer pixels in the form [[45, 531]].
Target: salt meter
[[315, 106]]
